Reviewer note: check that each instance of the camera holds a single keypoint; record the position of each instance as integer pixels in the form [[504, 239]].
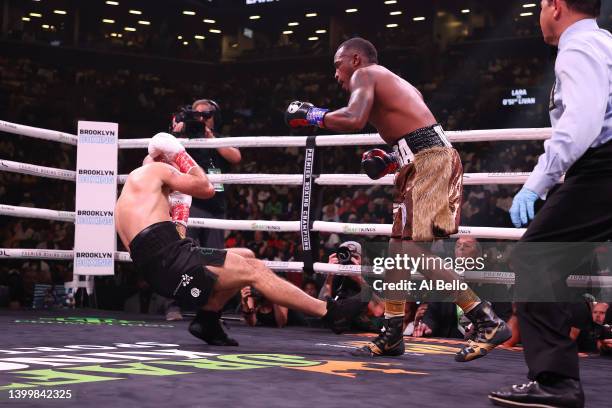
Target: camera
[[344, 255], [605, 332], [348, 250], [192, 119]]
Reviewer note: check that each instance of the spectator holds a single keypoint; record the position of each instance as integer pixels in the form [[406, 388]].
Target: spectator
[[343, 287], [587, 333], [259, 311]]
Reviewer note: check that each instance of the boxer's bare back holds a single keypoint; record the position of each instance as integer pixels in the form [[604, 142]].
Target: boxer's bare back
[[144, 198]]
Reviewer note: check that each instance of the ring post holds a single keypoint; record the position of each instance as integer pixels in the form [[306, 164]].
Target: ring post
[[96, 193]]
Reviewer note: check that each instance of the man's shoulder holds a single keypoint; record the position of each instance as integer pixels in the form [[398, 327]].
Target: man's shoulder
[[374, 70], [150, 172], [587, 42], [155, 167], [370, 72]]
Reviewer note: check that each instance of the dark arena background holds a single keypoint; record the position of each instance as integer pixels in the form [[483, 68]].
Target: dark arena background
[[292, 196]]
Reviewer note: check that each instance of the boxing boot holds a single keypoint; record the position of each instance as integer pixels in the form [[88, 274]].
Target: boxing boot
[[489, 332], [390, 341], [207, 326]]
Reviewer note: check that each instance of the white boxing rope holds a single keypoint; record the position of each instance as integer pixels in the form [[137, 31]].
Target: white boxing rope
[[336, 269], [582, 281], [497, 277], [353, 180], [273, 179], [469, 179], [245, 225], [48, 172], [279, 226], [279, 179], [121, 256], [352, 228], [472, 179], [488, 135], [39, 213], [19, 253], [349, 179], [385, 229], [498, 135], [38, 133], [287, 141], [244, 141], [490, 233], [246, 179], [285, 266]]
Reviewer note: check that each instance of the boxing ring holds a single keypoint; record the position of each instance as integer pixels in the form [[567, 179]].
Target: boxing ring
[[304, 180], [103, 357]]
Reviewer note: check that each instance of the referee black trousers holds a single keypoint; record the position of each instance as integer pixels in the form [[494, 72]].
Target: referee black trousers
[[555, 244], [207, 237]]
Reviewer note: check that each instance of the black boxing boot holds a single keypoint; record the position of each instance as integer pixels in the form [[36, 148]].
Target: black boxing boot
[[489, 332], [390, 341], [207, 326]]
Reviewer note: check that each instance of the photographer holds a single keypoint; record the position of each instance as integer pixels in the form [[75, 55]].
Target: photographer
[[259, 311], [198, 121], [604, 340], [589, 329], [343, 287]]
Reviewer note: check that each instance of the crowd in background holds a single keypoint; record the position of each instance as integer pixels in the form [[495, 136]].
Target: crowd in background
[[50, 95]]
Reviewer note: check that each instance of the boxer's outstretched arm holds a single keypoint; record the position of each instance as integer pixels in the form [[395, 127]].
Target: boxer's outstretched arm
[[355, 116]]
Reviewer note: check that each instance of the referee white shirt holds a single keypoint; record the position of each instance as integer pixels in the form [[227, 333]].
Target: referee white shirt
[[580, 102]]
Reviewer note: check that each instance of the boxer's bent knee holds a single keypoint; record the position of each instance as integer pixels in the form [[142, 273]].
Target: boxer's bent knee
[[257, 265], [235, 271]]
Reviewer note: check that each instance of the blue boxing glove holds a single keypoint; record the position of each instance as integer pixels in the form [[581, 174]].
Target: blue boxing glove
[[300, 114], [522, 207]]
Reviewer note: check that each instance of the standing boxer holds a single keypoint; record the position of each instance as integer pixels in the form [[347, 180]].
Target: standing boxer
[[428, 186], [576, 212]]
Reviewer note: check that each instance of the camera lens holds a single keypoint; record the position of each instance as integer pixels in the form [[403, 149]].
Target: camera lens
[[344, 255]]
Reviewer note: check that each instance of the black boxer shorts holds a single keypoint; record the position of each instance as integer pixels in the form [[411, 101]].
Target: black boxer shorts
[[175, 267]]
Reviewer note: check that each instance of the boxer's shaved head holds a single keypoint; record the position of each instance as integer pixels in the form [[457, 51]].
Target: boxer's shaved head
[[361, 46], [352, 55]]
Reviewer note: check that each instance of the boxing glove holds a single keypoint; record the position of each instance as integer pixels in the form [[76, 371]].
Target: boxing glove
[[300, 114], [171, 150], [377, 163], [179, 211]]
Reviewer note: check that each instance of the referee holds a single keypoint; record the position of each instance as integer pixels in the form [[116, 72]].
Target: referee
[[576, 212]]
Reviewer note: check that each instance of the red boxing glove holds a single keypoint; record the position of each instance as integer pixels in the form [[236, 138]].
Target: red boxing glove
[[377, 163], [185, 162], [170, 149], [179, 207]]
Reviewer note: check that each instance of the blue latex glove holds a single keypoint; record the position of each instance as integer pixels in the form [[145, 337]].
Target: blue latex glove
[[522, 207]]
